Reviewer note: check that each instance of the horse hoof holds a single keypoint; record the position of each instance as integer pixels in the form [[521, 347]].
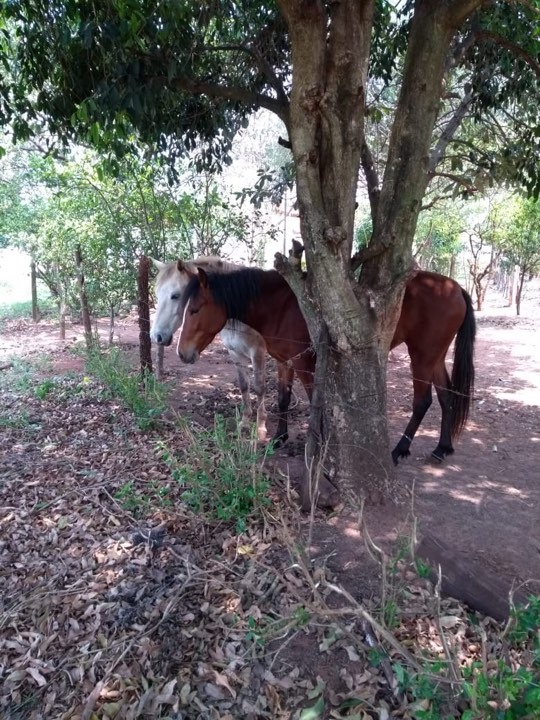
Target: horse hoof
[[396, 455], [440, 453]]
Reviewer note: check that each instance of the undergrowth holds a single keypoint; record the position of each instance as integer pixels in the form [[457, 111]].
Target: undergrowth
[[145, 399], [222, 473], [503, 685]]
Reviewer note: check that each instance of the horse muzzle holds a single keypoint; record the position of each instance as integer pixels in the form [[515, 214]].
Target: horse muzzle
[[161, 338], [188, 356]]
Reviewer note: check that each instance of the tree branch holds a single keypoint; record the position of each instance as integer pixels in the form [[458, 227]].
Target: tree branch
[[459, 10], [455, 178], [365, 254], [235, 93], [264, 67], [449, 131], [513, 47], [372, 179], [291, 268]]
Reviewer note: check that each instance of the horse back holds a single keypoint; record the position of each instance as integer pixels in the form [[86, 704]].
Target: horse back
[[433, 310]]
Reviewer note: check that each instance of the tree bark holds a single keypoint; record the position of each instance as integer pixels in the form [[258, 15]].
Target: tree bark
[[83, 298], [33, 283], [145, 344]]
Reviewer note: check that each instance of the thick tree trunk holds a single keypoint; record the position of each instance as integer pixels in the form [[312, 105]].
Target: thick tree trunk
[[352, 323], [83, 298], [33, 283], [145, 344]]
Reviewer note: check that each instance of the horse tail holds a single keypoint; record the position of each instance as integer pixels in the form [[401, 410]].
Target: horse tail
[[463, 370]]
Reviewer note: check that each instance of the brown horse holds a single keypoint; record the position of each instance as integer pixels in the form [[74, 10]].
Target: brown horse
[[435, 310]]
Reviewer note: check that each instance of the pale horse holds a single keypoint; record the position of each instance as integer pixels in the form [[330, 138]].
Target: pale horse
[[244, 344]]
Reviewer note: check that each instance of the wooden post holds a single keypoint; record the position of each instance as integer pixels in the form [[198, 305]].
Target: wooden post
[[83, 297], [160, 359], [145, 345]]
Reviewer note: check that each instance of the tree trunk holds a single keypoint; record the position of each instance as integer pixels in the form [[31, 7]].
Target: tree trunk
[[145, 344], [62, 312], [519, 289], [452, 266], [352, 323], [512, 285], [33, 283], [83, 298], [111, 324]]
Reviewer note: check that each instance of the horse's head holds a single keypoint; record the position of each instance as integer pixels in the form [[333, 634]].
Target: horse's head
[[203, 318], [172, 280]]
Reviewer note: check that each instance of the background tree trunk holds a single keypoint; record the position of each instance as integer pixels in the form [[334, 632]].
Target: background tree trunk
[[111, 324], [519, 289], [62, 321], [33, 283], [83, 298], [145, 344]]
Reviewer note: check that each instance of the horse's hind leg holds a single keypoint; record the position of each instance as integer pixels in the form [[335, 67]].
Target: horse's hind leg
[[422, 400], [258, 361], [240, 362], [443, 388], [285, 383]]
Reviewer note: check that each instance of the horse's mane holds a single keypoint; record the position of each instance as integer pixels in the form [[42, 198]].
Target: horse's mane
[[212, 263], [233, 291]]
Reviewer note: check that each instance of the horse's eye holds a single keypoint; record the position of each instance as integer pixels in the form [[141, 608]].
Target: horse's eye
[[194, 311], [175, 296]]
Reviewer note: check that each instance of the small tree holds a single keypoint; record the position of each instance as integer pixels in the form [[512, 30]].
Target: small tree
[[522, 247], [485, 247]]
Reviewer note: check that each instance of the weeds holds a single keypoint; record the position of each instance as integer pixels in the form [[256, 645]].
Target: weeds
[[145, 399], [222, 474], [139, 503]]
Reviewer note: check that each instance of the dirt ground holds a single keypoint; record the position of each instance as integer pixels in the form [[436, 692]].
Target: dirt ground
[[484, 501]]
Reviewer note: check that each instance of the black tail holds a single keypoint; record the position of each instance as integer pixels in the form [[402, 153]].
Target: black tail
[[463, 370]]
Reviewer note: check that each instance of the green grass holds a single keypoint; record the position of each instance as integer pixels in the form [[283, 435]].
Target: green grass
[[23, 309], [222, 473]]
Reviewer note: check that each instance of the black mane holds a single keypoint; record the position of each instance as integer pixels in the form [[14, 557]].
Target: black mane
[[234, 291]]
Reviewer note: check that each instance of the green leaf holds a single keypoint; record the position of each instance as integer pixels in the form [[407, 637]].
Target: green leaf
[[313, 712]]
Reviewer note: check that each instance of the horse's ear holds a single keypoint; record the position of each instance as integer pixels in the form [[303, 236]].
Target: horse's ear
[[203, 278], [157, 263], [180, 266]]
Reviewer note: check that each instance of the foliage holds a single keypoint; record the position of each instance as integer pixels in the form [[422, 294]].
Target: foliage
[[521, 244], [145, 398], [222, 473], [437, 239], [115, 219], [187, 76]]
